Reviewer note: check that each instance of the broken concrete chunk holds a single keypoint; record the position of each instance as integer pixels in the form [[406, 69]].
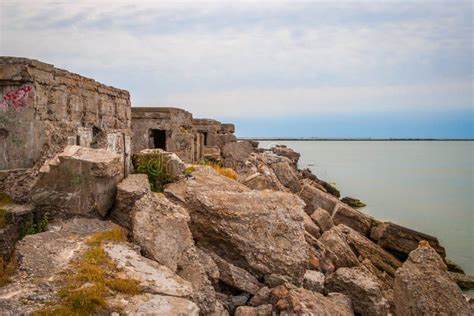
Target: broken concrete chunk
[[129, 191], [79, 181], [156, 278], [424, 287], [323, 219], [401, 241], [364, 289]]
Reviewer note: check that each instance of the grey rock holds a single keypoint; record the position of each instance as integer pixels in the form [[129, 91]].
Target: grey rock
[[314, 281]]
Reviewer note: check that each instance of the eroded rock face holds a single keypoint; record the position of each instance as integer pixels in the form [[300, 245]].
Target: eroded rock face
[[401, 240], [364, 248], [340, 252], [236, 277], [235, 153], [314, 281], [259, 231], [129, 191], [80, 181], [160, 227], [424, 287], [364, 289]]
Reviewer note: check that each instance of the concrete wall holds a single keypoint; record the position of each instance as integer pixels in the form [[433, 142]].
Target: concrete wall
[[191, 139], [43, 109]]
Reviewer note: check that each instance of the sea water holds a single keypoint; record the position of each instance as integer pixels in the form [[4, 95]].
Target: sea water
[[424, 185]]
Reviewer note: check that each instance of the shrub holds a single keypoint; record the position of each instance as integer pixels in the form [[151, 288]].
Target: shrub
[[154, 166]]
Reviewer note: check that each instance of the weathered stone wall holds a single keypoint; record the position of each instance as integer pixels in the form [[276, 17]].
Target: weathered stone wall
[[191, 139], [177, 123], [43, 109]]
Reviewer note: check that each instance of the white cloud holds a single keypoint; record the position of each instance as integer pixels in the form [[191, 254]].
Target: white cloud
[[254, 58]]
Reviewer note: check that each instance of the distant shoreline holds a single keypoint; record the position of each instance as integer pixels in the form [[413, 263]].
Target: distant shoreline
[[358, 139]]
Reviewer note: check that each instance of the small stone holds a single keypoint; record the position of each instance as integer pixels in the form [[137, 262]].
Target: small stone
[[282, 304], [280, 291], [314, 281]]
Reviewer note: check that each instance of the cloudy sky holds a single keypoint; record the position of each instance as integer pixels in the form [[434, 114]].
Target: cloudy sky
[[323, 69]]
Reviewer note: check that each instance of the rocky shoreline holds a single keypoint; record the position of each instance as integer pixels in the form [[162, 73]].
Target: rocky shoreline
[[96, 219], [274, 240]]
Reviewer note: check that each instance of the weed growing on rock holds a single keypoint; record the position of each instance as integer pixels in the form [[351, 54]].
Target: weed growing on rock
[[92, 278], [154, 166], [226, 172], [36, 227]]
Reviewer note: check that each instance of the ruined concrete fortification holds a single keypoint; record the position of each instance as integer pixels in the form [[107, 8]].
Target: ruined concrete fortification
[[175, 130], [43, 109], [178, 237]]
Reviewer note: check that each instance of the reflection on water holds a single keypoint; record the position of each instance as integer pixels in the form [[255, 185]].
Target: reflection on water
[[427, 186]]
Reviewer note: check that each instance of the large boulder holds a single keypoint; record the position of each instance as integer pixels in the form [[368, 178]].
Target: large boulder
[[424, 287], [364, 248], [236, 153], [259, 231], [160, 227], [282, 150], [323, 219], [153, 304], [339, 252], [401, 241], [129, 191], [364, 289], [79, 181]]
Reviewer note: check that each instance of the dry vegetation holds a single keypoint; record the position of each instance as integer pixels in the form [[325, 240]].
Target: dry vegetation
[[91, 279], [226, 172]]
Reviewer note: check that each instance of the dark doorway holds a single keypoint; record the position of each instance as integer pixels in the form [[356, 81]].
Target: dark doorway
[[159, 138], [205, 138]]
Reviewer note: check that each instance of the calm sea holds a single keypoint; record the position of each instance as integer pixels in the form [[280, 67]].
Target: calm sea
[[427, 186]]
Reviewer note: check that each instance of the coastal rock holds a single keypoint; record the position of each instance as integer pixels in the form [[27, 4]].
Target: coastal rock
[[364, 248], [262, 297], [129, 191], [352, 218], [79, 181], [453, 267], [236, 277], [424, 287], [282, 150], [152, 304], [41, 259], [356, 203], [314, 281], [299, 301], [362, 287], [465, 282], [156, 278], [326, 187], [286, 174], [400, 240], [311, 227], [259, 231], [236, 153], [160, 227], [323, 219], [259, 176], [339, 251], [340, 213]]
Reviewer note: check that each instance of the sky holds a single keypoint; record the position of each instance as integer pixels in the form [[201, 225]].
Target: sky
[[276, 69]]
